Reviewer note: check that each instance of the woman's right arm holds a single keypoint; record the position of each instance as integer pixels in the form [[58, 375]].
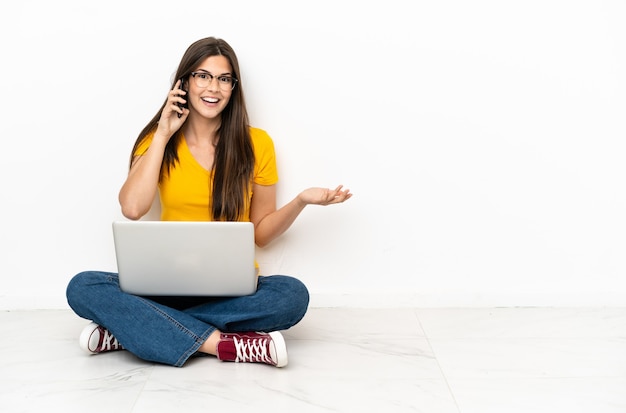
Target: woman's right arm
[[141, 185], [138, 192]]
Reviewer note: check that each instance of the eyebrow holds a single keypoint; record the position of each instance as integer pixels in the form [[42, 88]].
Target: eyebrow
[[223, 74]]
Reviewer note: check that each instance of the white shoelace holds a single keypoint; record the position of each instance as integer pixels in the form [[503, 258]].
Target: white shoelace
[[109, 341], [252, 350]]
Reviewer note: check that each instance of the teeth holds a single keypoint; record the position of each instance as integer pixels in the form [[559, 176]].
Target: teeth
[[210, 100]]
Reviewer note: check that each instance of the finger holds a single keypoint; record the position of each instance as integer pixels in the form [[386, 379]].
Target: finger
[[176, 102], [333, 195], [179, 111], [339, 199], [333, 199], [172, 108], [339, 193], [343, 196], [178, 85]]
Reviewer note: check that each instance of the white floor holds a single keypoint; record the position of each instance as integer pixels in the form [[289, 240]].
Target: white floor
[[500, 360]]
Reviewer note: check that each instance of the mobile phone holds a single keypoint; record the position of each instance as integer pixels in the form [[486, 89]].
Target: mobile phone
[[182, 105]]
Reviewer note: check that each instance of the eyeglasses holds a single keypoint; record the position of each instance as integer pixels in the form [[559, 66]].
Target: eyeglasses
[[204, 79]]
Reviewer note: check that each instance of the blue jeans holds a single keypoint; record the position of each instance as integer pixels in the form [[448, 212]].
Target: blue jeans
[[169, 330]]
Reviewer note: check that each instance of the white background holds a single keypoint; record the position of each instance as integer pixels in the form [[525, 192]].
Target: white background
[[484, 141]]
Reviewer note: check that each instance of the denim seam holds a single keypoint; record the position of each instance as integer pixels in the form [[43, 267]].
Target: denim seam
[[198, 340], [194, 348]]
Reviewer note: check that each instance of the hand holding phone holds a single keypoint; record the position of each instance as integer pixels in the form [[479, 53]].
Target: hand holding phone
[[182, 105]]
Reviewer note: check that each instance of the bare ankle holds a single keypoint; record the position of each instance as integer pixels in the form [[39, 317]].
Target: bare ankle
[[210, 345]]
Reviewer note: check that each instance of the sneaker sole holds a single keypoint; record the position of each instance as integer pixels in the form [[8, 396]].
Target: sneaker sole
[[280, 347]]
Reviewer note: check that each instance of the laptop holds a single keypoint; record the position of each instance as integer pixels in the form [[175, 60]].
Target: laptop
[[182, 258]]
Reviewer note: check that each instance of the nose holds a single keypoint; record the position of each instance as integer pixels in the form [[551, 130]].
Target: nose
[[210, 85]]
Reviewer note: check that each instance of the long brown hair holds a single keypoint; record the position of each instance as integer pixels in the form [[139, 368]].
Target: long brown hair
[[234, 157]]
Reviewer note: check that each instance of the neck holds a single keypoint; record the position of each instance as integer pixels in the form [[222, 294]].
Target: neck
[[201, 130]]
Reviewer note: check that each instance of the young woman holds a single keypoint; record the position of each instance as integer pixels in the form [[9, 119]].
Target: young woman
[[206, 162]]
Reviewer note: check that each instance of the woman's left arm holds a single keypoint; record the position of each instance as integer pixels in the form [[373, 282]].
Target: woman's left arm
[[269, 223]]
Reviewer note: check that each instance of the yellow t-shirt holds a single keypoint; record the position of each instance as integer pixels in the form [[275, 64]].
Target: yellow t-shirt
[[185, 192]]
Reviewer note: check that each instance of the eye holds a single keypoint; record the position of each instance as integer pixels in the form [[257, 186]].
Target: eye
[[224, 79], [204, 76]]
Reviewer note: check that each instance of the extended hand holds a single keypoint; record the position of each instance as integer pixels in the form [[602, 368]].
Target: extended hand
[[325, 196]]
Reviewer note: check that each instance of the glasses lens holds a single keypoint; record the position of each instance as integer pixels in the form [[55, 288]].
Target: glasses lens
[[226, 82], [203, 80]]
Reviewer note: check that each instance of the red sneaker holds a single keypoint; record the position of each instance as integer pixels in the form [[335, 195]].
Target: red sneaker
[[250, 347], [97, 339]]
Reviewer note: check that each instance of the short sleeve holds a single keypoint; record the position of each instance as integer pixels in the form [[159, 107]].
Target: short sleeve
[[265, 170], [143, 146]]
